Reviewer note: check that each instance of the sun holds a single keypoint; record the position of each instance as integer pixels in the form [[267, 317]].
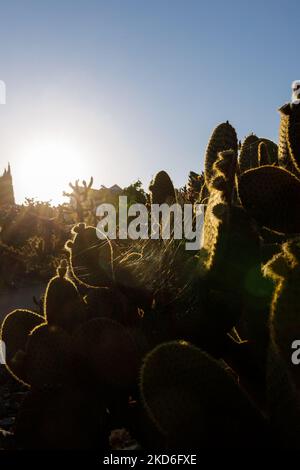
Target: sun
[[45, 167]]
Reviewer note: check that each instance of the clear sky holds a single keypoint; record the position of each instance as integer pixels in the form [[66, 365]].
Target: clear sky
[[122, 89]]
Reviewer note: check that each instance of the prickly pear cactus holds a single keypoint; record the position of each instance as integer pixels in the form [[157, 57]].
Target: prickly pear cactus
[[109, 351], [162, 189], [223, 138], [91, 258], [50, 358], [63, 305], [111, 303], [271, 195], [15, 329], [194, 401]]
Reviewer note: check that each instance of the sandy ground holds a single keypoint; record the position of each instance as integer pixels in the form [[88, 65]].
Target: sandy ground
[[18, 298]]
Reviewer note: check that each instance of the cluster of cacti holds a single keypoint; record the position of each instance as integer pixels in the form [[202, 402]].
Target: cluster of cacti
[[256, 152], [194, 401], [182, 349]]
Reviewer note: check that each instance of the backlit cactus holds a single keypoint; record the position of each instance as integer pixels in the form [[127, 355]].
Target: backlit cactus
[[91, 258], [271, 195], [284, 268], [162, 189], [263, 155], [15, 329], [248, 153], [63, 306], [289, 141], [223, 138], [254, 154], [109, 351], [50, 358], [188, 349], [283, 376], [194, 401]]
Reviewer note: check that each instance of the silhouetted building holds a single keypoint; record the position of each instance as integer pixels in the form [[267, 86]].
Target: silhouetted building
[[96, 197], [6, 188]]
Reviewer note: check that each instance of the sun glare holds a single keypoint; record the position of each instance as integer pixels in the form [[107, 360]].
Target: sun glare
[[45, 167]]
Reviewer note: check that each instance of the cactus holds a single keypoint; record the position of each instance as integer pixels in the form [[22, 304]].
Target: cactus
[[204, 194], [111, 303], [250, 154], [109, 352], [263, 155], [284, 268], [194, 401], [247, 154], [271, 195], [80, 196], [229, 234], [223, 138], [63, 305], [288, 152], [91, 258], [283, 375], [14, 332], [161, 189], [293, 136], [224, 171], [50, 357], [282, 401], [195, 183], [217, 217]]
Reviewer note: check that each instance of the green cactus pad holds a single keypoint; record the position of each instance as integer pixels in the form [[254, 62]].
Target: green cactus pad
[[63, 305], [193, 400], [91, 258], [111, 303], [271, 195], [15, 329], [109, 351], [50, 357]]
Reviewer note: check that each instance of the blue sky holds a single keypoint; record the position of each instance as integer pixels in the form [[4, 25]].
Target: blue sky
[[126, 88]]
